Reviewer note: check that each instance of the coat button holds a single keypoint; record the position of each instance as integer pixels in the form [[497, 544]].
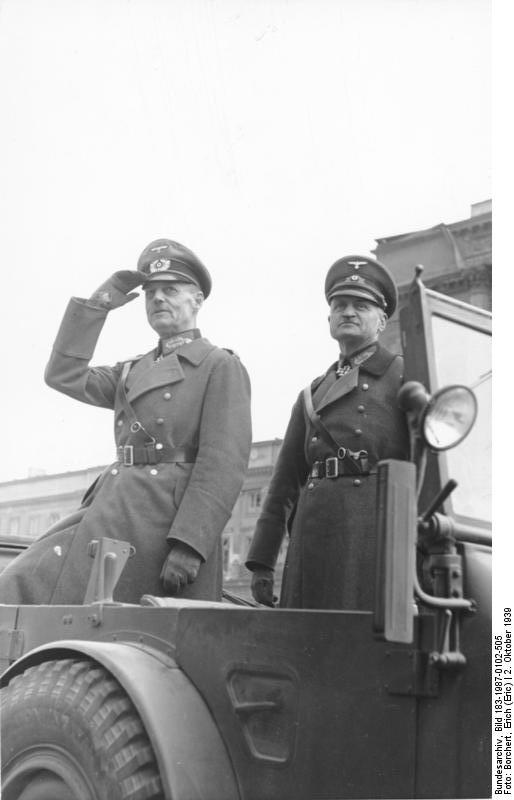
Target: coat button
[[159, 446], [114, 471], [167, 395], [310, 486], [365, 387], [119, 423], [358, 432], [357, 482], [314, 439], [153, 472], [361, 409], [159, 421]]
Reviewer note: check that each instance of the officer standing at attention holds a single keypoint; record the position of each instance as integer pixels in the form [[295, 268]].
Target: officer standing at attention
[[323, 489], [183, 436]]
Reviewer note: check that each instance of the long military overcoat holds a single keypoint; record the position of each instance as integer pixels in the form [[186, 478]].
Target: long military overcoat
[[331, 553], [196, 397]]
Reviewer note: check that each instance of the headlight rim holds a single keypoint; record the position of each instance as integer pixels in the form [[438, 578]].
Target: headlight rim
[[431, 404]]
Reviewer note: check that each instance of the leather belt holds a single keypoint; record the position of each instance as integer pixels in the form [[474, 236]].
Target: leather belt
[[334, 467], [130, 454]]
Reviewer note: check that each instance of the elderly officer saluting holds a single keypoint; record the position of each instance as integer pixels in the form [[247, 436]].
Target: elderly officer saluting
[[324, 484], [182, 430]]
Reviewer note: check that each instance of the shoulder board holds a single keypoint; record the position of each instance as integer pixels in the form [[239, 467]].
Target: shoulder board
[[232, 352]]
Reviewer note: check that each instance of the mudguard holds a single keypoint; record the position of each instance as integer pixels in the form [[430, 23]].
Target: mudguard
[[192, 759]]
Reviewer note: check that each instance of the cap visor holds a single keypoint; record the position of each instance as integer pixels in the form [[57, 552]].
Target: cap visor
[[168, 277], [343, 291]]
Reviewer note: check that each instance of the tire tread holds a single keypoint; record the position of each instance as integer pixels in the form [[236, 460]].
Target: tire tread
[[82, 695]]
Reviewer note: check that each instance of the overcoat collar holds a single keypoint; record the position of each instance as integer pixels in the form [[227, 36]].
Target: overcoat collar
[[376, 365], [379, 362], [194, 351], [147, 374]]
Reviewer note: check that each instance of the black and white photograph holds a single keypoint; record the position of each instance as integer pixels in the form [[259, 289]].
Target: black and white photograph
[[246, 494]]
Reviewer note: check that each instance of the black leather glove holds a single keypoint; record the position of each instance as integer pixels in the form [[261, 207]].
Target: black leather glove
[[180, 568], [262, 586], [117, 290]]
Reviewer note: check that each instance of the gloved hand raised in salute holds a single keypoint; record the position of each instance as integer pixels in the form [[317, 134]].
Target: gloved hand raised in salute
[[117, 290]]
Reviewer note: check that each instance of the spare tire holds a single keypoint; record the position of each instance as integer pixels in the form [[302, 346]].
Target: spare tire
[[70, 732]]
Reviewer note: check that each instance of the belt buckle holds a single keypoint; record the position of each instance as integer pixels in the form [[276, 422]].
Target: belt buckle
[[331, 467], [128, 455]]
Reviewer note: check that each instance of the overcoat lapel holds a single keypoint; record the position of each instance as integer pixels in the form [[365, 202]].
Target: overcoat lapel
[[375, 365], [343, 385], [320, 386], [147, 374]]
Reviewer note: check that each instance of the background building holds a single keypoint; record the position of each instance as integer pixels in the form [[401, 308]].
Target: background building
[[457, 261]]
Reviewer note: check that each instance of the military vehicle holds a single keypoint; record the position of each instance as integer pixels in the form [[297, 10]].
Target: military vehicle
[[189, 700]]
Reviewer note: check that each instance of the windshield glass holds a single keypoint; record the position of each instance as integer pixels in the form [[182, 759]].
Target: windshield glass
[[464, 356]]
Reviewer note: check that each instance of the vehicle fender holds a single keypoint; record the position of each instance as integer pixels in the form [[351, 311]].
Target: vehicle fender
[[192, 758]]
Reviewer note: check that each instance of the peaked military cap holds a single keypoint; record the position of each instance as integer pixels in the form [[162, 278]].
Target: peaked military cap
[[361, 276], [165, 260]]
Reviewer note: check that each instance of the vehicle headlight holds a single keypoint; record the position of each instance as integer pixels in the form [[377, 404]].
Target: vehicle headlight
[[448, 417]]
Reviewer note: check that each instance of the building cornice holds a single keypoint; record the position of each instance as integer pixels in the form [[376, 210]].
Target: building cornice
[[473, 224], [455, 282]]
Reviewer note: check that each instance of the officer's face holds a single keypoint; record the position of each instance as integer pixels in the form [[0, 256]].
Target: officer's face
[[355, 322], [171, 307]]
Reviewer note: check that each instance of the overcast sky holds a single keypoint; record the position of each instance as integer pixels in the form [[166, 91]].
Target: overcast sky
[[270, 136]]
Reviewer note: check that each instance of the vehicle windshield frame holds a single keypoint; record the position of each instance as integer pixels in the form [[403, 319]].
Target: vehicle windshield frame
[[422, 307]]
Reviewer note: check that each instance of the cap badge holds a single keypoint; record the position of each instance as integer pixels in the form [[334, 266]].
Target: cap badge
[[354, 277], [158, 248], [160, 264], [357, 264]]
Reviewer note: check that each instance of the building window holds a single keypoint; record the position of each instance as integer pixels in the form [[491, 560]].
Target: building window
[[226, 554], [33, 526], [14, 526], [255, 499]]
